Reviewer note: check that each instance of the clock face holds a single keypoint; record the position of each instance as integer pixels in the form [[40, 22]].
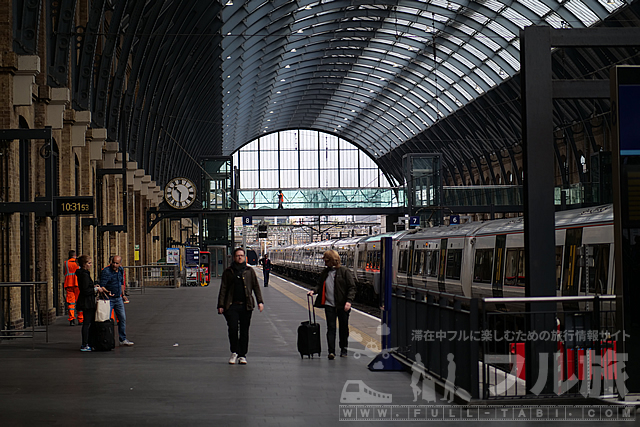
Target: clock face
[[180, 193]]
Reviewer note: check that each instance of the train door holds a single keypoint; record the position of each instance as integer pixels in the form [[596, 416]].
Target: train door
[[571, 265], [217, 260], [498, 265], [443, 261]]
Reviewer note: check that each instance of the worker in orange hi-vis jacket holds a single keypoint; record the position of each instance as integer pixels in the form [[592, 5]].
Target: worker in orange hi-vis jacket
[[71, 288]]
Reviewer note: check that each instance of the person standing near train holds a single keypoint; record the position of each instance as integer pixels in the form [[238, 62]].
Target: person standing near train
[[336, 291]]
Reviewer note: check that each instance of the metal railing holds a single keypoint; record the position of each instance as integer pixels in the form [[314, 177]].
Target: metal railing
[[436, 325], [579, 332], [139, 277], [33, 312]]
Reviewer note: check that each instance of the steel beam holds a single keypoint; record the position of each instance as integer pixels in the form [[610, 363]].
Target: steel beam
[[539, 208], [581, 89]]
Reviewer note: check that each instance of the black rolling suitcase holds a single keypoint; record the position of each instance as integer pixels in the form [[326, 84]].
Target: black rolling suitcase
[[309, 334], [101, 336]]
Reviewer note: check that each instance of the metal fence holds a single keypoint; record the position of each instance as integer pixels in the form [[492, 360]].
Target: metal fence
[[486, 340], [139, 277], [436, 325], [30, 315], [583, 347]]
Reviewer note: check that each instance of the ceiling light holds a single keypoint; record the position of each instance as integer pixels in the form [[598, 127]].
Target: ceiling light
[[229, 57], [278, 92], [353, 111], [229, 3], [287, 66], [270, 112], [293, 50], [282, 80], [300, 31]]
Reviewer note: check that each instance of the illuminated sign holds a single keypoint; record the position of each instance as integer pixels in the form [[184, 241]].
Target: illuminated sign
[[78, 205]]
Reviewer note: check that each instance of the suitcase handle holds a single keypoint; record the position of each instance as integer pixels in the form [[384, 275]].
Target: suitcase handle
[[311, 308]]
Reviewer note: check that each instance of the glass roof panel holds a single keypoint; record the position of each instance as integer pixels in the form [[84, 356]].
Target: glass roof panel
[[494, 5], [462, 91], [583, 13], [484, 77], [538, 7], [554, 20], [500, 30], [463, 59], [475, 52], [378, 56], [516, 18]]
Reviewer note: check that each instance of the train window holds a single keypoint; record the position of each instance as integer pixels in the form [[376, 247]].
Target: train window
[[433, 263], [558, 266], [454, 263], [598, 271], [402, 265], [571, 266], [418, 263], [514, 274], [378, 256], [483, 265]]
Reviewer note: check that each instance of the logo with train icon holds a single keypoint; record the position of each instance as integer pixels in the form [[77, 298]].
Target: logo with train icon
[[356, 391]]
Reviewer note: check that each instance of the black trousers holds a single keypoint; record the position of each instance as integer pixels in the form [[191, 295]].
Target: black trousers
[[266, 277], [89, 316], [332, 314], [238, 321]]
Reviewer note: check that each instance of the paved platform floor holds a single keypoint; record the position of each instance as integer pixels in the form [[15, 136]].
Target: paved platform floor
[[177, 374]]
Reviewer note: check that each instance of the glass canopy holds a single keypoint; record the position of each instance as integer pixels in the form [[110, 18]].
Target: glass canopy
[[375, 74]]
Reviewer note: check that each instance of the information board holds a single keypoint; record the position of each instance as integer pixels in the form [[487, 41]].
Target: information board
[[192, 256], [173, 255]]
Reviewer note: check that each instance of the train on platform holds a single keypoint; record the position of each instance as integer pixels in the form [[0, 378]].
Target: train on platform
[[475, 260]]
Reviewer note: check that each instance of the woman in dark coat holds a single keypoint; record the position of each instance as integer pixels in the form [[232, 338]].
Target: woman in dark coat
[[87, 299]]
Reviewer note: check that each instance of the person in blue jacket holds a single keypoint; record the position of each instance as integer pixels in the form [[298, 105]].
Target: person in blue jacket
[[112, 279]]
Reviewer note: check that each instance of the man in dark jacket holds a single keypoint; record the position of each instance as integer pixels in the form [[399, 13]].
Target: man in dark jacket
[[336, 291], [236, 303], [266, 268]]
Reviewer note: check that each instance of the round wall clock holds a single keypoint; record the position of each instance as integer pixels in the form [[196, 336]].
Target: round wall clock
[[180, 193]]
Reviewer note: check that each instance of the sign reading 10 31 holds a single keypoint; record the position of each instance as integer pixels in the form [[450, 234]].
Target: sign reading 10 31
[[77, 205]]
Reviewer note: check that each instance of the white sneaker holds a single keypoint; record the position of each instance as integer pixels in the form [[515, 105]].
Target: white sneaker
[[242, 360], [126, 342], [233, 358]]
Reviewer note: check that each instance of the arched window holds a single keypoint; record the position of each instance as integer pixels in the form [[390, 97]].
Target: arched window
[[305, 159]]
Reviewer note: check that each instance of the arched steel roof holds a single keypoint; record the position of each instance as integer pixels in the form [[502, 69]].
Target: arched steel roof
[[172, 80], [375, 73]]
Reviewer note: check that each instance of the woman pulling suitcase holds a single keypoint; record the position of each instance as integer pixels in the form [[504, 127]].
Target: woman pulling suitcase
[[336, 290]]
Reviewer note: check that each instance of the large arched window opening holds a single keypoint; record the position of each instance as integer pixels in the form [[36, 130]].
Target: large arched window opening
[[296, 159]]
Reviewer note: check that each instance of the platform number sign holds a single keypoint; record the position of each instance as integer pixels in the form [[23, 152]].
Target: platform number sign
[[454, 219], [414, 221], [247, 220]]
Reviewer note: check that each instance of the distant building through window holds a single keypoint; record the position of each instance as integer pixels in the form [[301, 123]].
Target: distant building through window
[[297, 159]]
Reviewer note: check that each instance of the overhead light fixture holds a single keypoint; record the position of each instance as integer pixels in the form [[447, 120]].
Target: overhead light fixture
[[300, 31], [293, 50], [229, 3], [287, 66], [282, 80]]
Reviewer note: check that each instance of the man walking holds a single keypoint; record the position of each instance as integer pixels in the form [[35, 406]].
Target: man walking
[[71, 287], [112, 279], [266, 268]]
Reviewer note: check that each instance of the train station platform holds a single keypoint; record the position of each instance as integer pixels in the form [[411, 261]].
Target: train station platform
[[177, 373]]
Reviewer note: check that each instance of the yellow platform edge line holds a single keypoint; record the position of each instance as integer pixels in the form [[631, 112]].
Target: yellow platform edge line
[[353, 331]]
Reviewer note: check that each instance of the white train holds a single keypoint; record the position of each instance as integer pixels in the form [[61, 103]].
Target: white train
[[479, 259]]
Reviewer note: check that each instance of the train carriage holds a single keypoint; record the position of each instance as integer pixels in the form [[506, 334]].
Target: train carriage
[[483, 259]]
